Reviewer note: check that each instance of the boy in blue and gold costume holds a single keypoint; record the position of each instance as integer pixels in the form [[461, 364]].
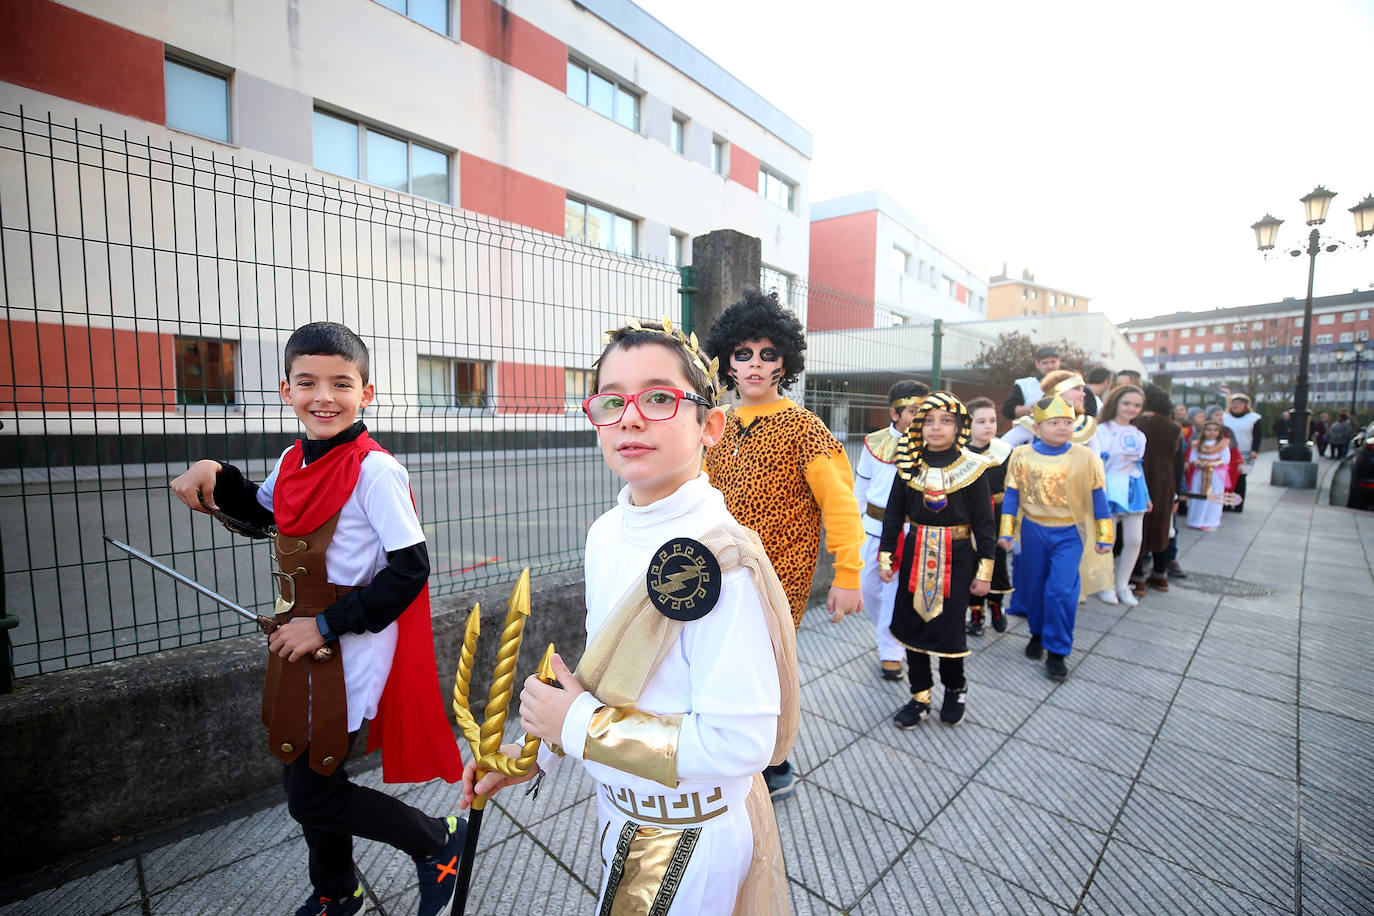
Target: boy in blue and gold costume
[[1056, 486]]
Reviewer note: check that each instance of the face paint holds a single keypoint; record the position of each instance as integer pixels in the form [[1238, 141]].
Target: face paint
[[745, 354]]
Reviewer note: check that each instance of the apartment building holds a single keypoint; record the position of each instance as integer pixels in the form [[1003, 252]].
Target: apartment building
[[1010, 297]]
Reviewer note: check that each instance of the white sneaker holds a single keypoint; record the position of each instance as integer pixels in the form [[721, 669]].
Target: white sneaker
[[1128, 599], [1107, 596]]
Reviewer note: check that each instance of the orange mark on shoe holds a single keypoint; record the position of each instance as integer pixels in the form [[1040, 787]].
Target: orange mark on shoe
[[447, 870]]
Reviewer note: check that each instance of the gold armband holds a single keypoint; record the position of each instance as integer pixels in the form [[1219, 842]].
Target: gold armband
[[885, 560], [984, 571], [1008, 526], [635, 742], [1106, 531]]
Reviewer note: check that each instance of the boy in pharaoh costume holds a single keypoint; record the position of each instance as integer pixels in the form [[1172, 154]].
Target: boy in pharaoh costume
[[688, 686], [939, 490], [1055, 485], [872, 484]]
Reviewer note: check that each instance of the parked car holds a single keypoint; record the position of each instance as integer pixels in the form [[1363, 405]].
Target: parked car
[[1361, 461]]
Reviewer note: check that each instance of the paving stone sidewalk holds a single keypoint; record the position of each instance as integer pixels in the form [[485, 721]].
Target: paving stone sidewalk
[[1211, 752]]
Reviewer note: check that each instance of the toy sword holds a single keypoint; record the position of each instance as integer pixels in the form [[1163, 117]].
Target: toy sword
[[266, 624]]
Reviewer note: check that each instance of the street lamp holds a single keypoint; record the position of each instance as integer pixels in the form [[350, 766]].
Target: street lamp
[[1356, 354], [1266, 236]]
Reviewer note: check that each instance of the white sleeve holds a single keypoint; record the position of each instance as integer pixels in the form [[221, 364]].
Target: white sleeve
[[268, 486], [387, 502], [863, 471]]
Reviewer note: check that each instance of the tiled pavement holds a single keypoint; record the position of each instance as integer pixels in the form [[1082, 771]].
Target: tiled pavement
[[1193, 762]]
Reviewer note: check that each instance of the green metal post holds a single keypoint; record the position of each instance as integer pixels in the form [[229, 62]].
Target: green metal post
[[937, 336], [687, 290]]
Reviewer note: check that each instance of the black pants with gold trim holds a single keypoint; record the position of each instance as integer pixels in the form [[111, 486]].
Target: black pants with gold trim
[[919, 673]]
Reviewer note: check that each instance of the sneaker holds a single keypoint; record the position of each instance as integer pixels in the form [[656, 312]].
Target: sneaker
[[1127, 596], [439, 874], [974, 627], [327, 906], [952, 709], [999, 619], [1055, 668], [781, 785], [911, 715], [1107, 596], [891, 671], [1176, 571], [1034, 648]]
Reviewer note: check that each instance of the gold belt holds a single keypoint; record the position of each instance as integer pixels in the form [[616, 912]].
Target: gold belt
[[956, 532], [671, 809], [876, 512]]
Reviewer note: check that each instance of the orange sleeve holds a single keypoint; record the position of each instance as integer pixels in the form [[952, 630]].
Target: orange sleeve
[[832, 484]]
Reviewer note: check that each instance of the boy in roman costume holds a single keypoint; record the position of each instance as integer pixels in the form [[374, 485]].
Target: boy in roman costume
[[939, 491], [1053, 484], [688, 686], [872, 484]]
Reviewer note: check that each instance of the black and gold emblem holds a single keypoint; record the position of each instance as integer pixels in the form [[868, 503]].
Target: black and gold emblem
[[683, 579]]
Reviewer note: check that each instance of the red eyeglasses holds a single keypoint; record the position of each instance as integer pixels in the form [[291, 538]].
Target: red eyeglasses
[[652, 403]]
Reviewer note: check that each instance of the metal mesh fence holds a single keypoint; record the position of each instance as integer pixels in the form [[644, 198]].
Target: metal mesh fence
[[148, 293]]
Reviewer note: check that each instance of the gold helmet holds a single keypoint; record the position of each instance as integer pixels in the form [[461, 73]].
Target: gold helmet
[[1052, 407]]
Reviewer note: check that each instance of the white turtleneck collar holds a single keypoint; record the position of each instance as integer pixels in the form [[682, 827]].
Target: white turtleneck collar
[[645, 523]]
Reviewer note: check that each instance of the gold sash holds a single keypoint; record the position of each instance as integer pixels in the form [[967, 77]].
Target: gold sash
[[627, 650]]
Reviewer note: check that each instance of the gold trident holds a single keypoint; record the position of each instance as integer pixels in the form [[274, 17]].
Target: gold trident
[[486, 738]]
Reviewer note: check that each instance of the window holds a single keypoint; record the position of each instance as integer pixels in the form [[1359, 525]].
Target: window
[[950, 286], [354, 150], [1364, 315], [577, 387], [1256, 345], [432, 14], [775, 188], [677, 248], [197, 100], [446, 382], [593, 225], [1347, 317], [1147, 352], [1025, 293], [1297, 342], [1186, 332], [603, 94], [1183, 350], [1149, 335], [1219, 329], [677, 133], [1239, 328], [1326, 319], [1237, 345], [770, 278], [901, 261], [1347, 337], [1218, 347], [1362, 334], [205, 371], [1273, 342], [718, 156], [1323, 338]]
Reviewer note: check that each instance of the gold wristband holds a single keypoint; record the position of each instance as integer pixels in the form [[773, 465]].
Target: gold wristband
[[984, 571], [635, 742], [1008, 526], [885, 560], [1106, 531]]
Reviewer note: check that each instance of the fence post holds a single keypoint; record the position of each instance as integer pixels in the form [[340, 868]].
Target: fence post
[[687, 291], [937, 336], [723, 263]]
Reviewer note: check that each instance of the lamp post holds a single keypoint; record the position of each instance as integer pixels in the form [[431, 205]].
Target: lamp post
[[1356, 354], [1266, 235]]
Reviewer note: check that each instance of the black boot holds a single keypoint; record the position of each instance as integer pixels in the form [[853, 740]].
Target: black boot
[[1034, 649], [975, 620], [1055, 668], [999, 619]]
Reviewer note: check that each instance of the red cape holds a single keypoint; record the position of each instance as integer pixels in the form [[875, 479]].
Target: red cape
[[410, 727]]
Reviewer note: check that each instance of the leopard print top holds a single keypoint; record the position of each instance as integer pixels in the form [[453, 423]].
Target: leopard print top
[[760, 466]]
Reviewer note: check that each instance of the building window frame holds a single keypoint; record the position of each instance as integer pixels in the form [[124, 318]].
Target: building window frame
[[366, 131], [407, 9], [175, 62], [771, 278], [776, 189], [577, 387], [677, 134], [720, 156], [463, 383], [210, 358], [575, 226], [1328, 318], [622, 102]]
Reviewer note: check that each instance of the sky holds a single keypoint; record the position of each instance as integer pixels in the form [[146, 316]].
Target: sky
[[1118, 151]]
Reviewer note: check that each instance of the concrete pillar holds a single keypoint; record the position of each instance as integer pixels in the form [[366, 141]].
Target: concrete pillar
[[724, 262]]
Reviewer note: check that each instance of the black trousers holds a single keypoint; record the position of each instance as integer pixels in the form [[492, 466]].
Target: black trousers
[[1240, 491], [918, 672], [332, 810]]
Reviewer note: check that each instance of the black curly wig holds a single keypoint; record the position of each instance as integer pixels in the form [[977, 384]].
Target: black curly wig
[[758, 315]]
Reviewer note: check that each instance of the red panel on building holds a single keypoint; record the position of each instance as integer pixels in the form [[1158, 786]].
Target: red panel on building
[[49, 366], [490, 188], [842, 271], [744, 167], [527, 388], [961, 293], [59, 51], [494, 30]]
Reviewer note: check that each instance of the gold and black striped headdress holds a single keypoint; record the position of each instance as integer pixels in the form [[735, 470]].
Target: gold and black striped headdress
[[911, 445]]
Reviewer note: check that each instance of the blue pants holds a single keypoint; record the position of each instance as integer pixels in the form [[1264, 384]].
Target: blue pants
[[1046, 580]]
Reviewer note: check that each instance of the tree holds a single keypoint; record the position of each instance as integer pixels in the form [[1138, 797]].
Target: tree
[[1012, 356], [1260, 371]]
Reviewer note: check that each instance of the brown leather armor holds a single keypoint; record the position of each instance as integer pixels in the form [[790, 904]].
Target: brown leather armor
[[304, 702]]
